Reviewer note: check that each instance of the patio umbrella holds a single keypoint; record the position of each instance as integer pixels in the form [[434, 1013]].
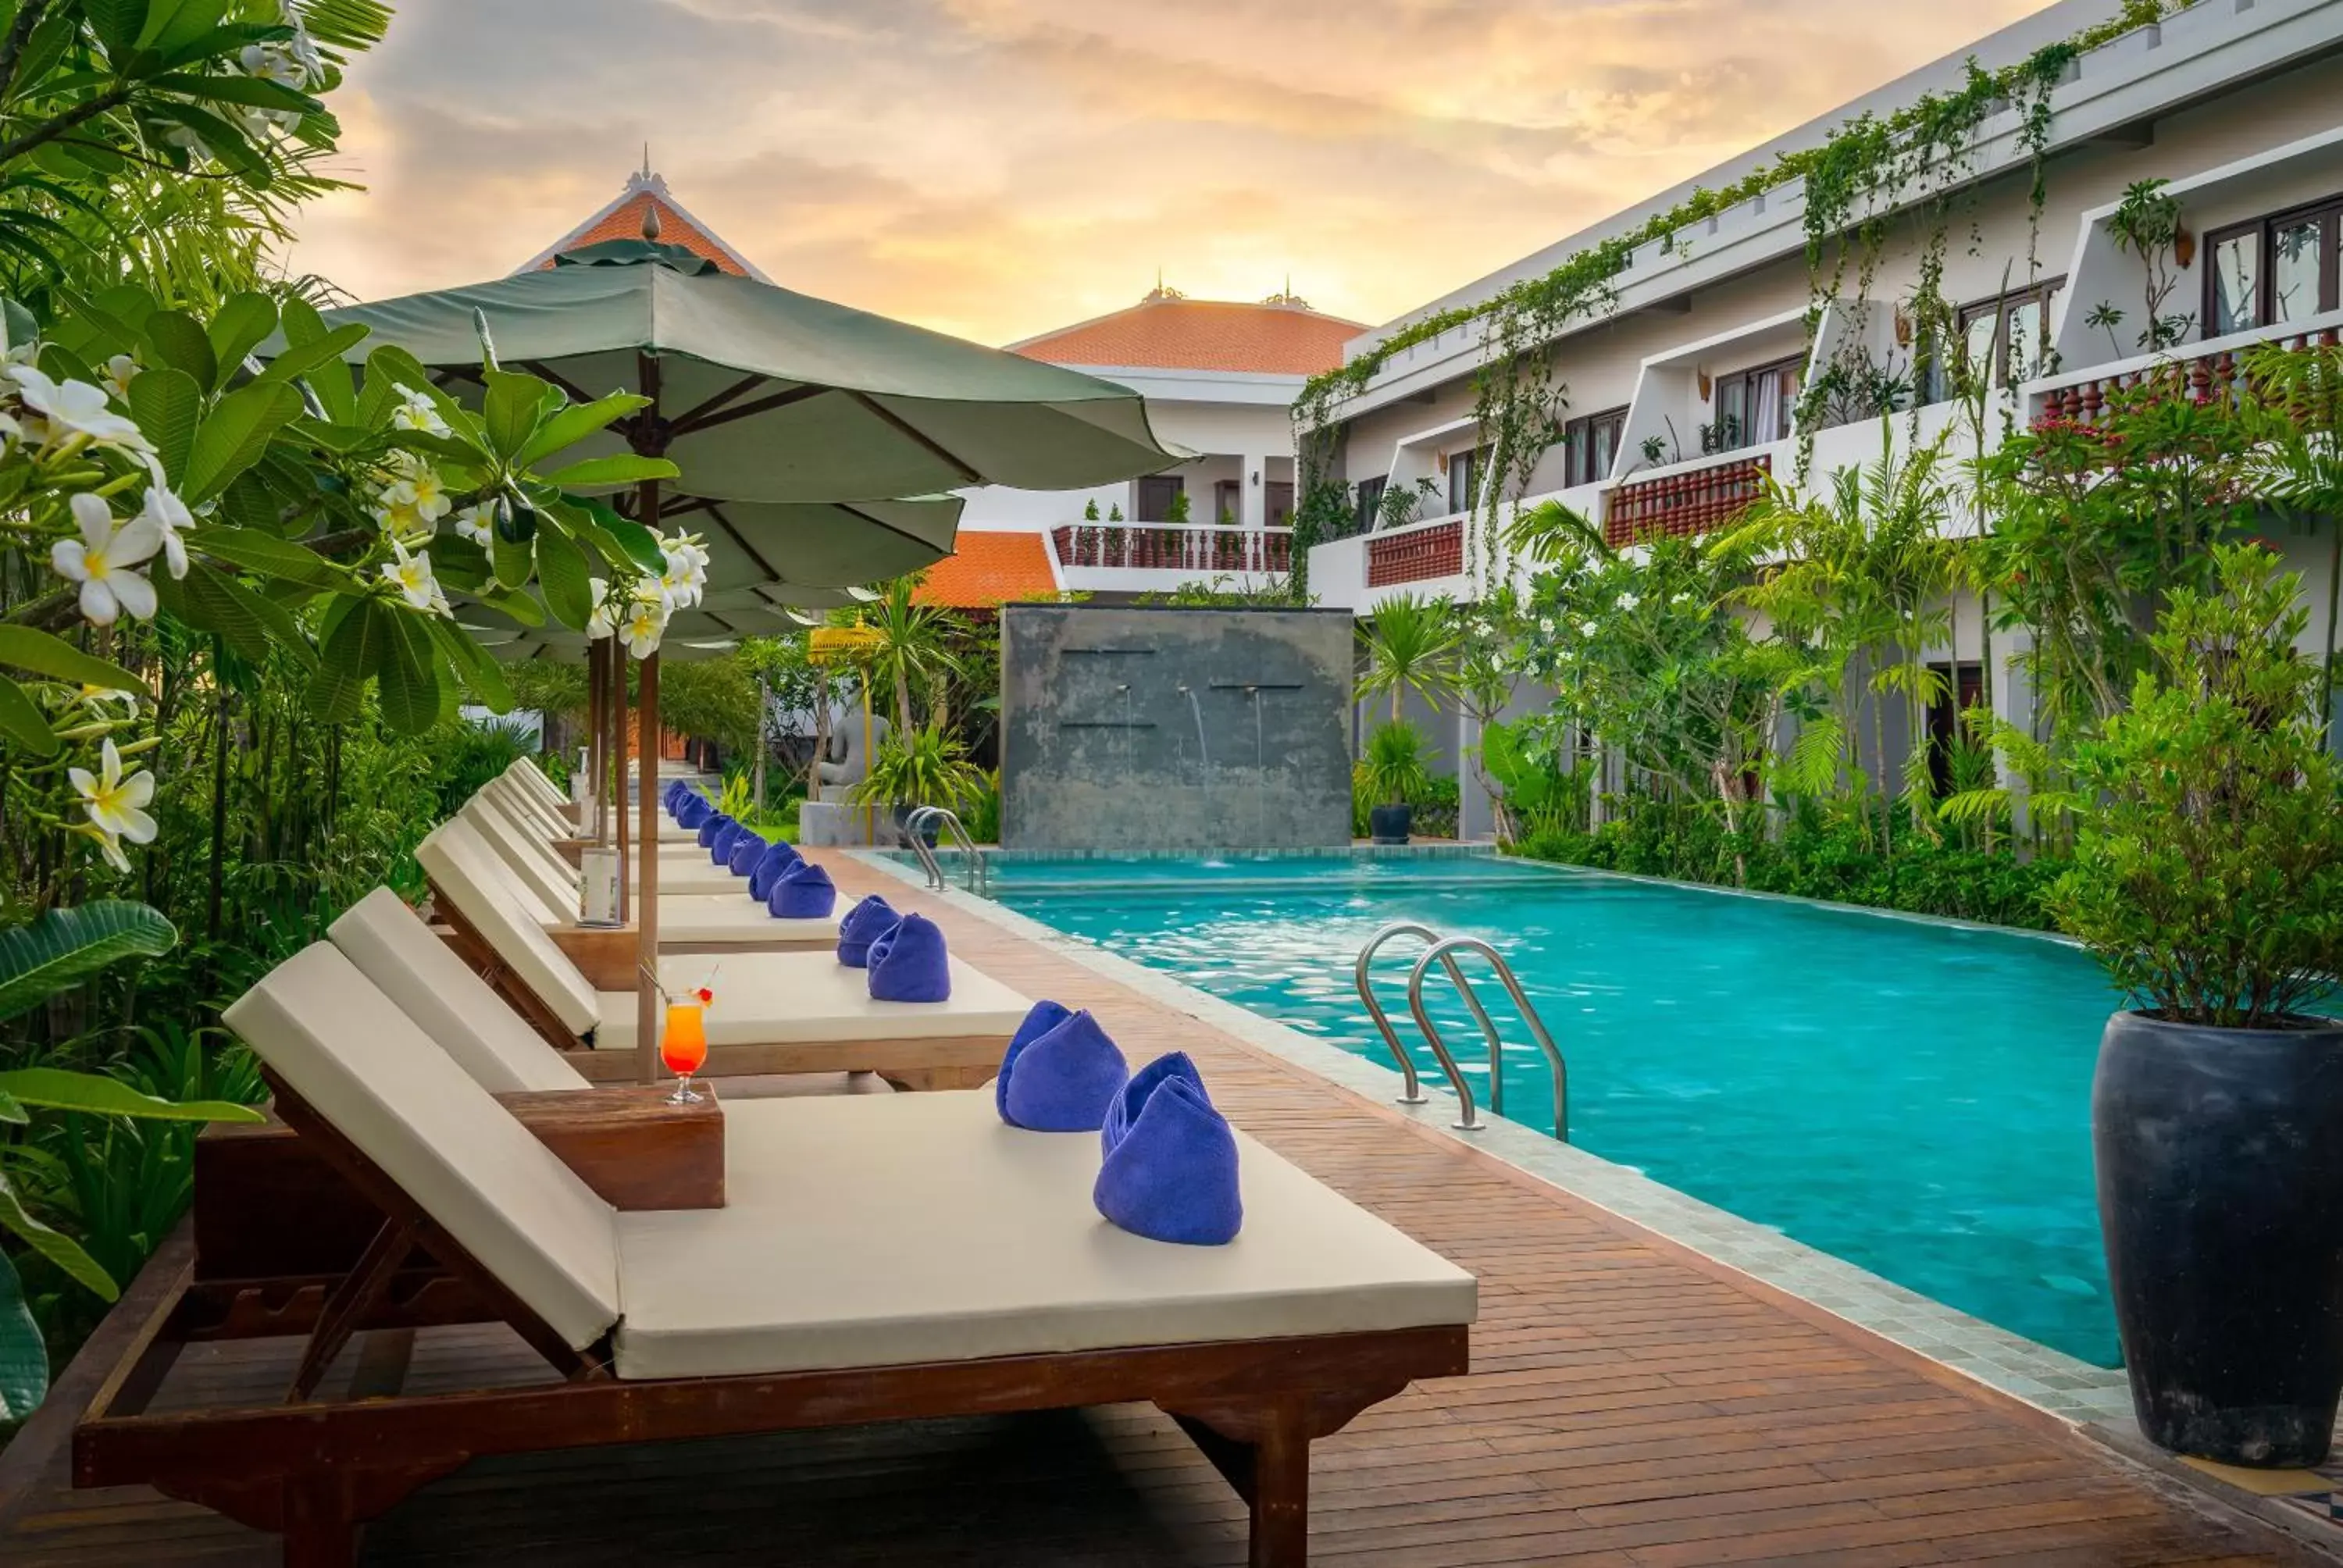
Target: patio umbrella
[[759, 394]]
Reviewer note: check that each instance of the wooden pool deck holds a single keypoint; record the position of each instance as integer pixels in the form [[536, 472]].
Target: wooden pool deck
[[1631, 1403]]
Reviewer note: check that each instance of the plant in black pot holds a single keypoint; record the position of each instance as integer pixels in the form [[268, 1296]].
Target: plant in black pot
[[2208, 880], [916, 767], [1389, 775]]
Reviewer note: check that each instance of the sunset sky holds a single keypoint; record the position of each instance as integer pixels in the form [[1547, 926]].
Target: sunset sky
[[999, 167]]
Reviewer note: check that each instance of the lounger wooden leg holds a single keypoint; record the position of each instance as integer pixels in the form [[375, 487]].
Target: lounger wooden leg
[[1281, 1492], [321, 1530]]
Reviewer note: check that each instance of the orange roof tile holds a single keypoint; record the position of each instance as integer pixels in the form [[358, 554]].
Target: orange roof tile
[[1174, 333], [625, 221], [989, 568]]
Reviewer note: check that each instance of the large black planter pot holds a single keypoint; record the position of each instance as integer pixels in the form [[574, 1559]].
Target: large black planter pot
[[1389, 824], [2220, 1176]]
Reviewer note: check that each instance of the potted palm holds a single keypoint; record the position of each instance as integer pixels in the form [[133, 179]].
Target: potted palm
[[1391, 774], [916, 767], [2208, 880]]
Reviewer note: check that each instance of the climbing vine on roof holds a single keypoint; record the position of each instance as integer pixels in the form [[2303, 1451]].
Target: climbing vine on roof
[[1860, 180]]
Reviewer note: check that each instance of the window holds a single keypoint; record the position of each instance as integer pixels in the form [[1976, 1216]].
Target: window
[[1591, 446], [1754, 405], [1466, 472], [1228, 502], [1280, 503], [2271, 271], [1157, 497], [1949, 741], [1371, 500], [2005, 340]]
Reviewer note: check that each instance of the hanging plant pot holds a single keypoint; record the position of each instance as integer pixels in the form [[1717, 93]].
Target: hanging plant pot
[[2220, 1181]]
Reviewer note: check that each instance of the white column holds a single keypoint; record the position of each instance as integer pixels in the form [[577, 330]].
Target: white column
[[1252, 496]]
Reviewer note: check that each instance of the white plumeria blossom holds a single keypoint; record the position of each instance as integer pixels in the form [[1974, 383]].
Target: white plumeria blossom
[[169, 515], [115, 804], [76, 408], [603, 619], [685, 578], [106, 559], [646, 619], [1628, 601], [94, 696], [477, 523], [118, 373], [415, 502], [417, 584], [417, 412]]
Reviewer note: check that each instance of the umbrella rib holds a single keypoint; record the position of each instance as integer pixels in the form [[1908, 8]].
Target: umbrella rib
[[692, 417], [544, 372], [762, 406], [968, 476], [879, 522], [725, 523]]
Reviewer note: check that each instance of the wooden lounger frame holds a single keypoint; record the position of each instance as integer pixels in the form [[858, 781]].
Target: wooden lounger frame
[[316, 1473], [916, 1065]]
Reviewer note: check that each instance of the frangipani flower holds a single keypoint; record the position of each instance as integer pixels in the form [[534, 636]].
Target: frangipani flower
[[94, 696], [118, 372], [76, 408], [685, 578], [415, 503], [114, 804], [417, 584], [603, 619], [646, 619], [169, 515], [417, 412], [477, 523], [104, 560]]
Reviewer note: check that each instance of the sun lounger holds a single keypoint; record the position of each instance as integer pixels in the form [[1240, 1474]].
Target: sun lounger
[[776, 1012], [690, 922], [954, 1267], [684, 865]]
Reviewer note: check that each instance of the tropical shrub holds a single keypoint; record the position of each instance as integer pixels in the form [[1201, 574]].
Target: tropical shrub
[[1391, 770], [923, 767], [2208, 872]]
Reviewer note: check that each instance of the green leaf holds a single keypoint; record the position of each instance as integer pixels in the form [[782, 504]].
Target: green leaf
[[21, 720], [253, 91], [329, 377], [210, 599], [511, 410], [167, 404], [226, 139], [65, 947], [471, 661], [54, 1088], [310, 358], [572, 424], [562, 572], [512, 602], [117, 24], [618, 469], [239, 326], [237, 432], [409, 683], [24, 1357], [271, 556], [54, 1245], [513, 562], [353, 650], [175, 338], [44, 653], [458, 563]]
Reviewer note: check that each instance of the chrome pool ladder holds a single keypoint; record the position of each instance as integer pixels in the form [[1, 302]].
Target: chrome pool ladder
[[915, 829], [1442, 951]]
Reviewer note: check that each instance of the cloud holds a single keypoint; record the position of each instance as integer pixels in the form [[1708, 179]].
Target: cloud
[[999, 167]]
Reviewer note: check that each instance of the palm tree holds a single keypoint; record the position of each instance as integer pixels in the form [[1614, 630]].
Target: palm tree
[[908, 648], [1411, 646]]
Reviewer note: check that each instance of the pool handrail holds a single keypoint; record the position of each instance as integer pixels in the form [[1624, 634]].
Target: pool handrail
[[1443, 953], [1414, 1094], [914, 828]]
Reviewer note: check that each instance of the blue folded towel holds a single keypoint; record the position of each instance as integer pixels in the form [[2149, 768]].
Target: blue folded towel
[[715, 823], [771, 862], [1059, 1078], [747, 850], [720, 849], [1170, 1173], [907, 962], [865, 923], [672, 794], [692, 811], [803, 892]]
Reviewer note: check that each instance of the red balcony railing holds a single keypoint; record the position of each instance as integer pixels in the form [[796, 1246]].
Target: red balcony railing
[[1417, 555], [1173, 547], [1675, 505], [2202, 376]]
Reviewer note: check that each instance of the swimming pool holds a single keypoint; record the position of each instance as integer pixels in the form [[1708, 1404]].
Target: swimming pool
[[1910, 1096]]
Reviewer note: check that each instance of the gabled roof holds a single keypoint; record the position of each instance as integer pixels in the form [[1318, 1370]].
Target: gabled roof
[[988, 568], [622, 218], [1282, 336]]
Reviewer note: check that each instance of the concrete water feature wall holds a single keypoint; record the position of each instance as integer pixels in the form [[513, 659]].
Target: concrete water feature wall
[[1167, 728]]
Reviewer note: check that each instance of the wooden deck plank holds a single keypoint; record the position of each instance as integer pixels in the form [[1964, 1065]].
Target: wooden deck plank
[[1632, 1405]]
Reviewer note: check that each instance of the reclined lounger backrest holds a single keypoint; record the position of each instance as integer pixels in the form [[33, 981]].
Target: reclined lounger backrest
[[463, 868], [546, 822], [363, 1065], [552, 898], [394, 948], [531, 775]]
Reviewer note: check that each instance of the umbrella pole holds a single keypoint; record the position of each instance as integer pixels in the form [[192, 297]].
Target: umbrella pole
[[619, 772], [596, 727], [647, 907]]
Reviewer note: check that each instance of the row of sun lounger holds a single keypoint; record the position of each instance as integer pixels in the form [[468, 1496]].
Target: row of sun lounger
[[864, 1258]]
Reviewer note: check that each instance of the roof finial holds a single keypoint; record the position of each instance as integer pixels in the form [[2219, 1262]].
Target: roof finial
[[647, 161], [651, 219], [1162, 291]]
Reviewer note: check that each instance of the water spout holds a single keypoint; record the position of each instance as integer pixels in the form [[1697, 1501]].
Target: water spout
[[1203, 753]]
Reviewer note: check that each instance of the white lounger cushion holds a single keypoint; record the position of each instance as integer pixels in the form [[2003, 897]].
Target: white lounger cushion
[[392, 948], [782, 998], [916, 1228], [716, 920], [533, 778], [533, 883], [528, 807], [462, 867], [367, 1067]]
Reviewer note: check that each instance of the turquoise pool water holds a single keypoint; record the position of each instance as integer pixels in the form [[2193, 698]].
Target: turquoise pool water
[[1911, 1096]]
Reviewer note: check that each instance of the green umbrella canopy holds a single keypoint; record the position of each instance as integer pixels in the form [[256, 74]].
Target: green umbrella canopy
[[763, 394]]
